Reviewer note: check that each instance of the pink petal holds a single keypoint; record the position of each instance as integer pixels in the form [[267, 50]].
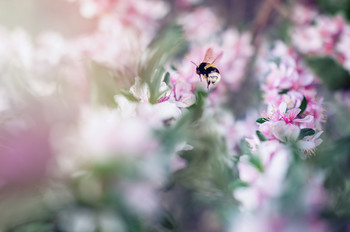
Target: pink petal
[[307, 119]]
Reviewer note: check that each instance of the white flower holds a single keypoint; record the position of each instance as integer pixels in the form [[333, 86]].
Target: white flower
[[140, 90], [309, 143]]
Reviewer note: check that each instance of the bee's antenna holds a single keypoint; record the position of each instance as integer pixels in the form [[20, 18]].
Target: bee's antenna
[[194, 63]]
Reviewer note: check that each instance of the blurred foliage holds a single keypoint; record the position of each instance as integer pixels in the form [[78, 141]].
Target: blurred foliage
[[35, 227], [103, 84], [106, 83], [333, 160], [169, 42], [209, 153], [335, 7], [333, 156], [206, 183], [202, 189], [333, 75], [291, 199]]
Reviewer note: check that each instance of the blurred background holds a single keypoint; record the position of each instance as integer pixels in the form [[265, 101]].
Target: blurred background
[[106, 126]]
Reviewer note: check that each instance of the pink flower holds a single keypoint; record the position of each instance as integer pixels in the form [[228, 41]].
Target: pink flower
[[192, 22], [266, 184], [285, 132], [237, 51], [183, 81], [142, 197], [145, 15], [307, 40], [235, 130], [309, 143], [288, 115], [92, 8], [320, 37], [342, 47], [303, 14], [104, 132], [289, 74], [289, 84], [283, 123]]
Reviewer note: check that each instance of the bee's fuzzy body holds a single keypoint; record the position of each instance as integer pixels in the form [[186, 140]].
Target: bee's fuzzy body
[[207, 69], [210, 73]]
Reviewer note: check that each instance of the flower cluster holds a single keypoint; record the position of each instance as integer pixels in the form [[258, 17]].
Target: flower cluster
[[294, 112], [293, 117], [320, 35]]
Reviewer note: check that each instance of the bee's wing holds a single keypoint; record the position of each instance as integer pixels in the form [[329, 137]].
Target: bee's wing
[[208, 55], [218, 57]]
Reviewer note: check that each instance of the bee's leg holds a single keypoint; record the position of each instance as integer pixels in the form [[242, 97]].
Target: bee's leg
[[208, 85]]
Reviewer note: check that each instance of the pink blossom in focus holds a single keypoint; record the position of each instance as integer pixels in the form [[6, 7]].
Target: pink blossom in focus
[[288, 81]]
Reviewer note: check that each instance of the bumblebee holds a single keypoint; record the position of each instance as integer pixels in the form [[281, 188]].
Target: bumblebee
[[207, 69]]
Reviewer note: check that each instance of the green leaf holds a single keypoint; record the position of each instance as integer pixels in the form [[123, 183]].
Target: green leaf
[[262, 120], [332, 74], [126, 93], [166, 44], [261, 136], [173, 68], [239, 184], [306, 132], [276, 60], [35, 227], [167, 78], [168, 221], [198, 108], [303, 105], [154, 85], [244, 147], [283, 91], [334, 7], [256, 161], [181, 131]]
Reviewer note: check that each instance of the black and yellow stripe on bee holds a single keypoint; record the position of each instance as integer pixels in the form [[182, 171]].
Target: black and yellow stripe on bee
[[209, 68], [206, 68]]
